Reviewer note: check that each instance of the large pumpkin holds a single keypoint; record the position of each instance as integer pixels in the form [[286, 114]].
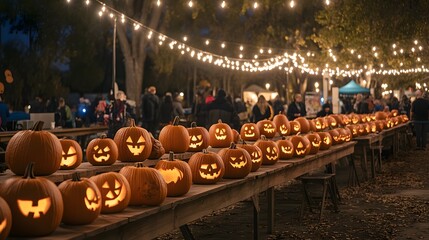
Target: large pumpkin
[[286, 149], [36, 204], [305, 125], [381, 115], [282, 124], [326, 140], [301, 145], [198, 138], [147, 185], [295, 127], [270, 151], [220, 135], [177, 174], [157, 149], [134, 143], [267, 128], [82, 200], [174, 137], [249, 132], [237, 162], [315, 142], [206, 167], [255, 154], [115, 191], [71, 154], [35, 145], [102, 151], [5, 219]]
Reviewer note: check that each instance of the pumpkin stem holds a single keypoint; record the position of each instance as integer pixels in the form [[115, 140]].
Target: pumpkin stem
[[29, 173], [263, 137], [103, 136], [205, 151], [219, 121], [38, 126], [280, 112], [193, 125], [176, 121], [232, 146], [76, 177], [297, 133], [132, 123], [171, 156], [139, 165]]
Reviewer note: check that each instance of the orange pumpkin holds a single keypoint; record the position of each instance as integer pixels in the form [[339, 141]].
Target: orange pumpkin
[[71, 154], [270, 151], [381, 115], [267, 128], [237, 162], [331, 121], [326, 142], [249, 132], [282, 124], [198, 138], [177, 174], [255, 154], [355, 118], [336, 138], [305, 125], [286, 149], [134, 143], [220, 135], [102, 151], [339, 119], [5, 219], [301, 145], [115, 191], [315, 142], [354, 129], [174, 137], [206, 167], [295, 127]]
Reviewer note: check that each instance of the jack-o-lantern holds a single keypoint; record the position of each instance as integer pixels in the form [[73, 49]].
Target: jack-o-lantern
[[380, 115], [198, 138], [355, 118], [367, 128], [354, 129], [82, 200], [388, 123], [380, 125], [336, 138], [315, 142], [339, 119], [134, 143], [342, 134], [220, 135], [394, 121], [282, 124], [249, 132], [399, 119], [157, 148], [147, 185], [346, 119], [115, 191], [286, 149], [235, 136], [35, 203], [301, 145], [206, 167], [295, 127], [5, 219], [363, 118], [332, 123], [326, 140], [267, 128], [71, 154], [270, 151], [362, 129], [177, 174], [237, 162], [348, 135], [305, 125], [404, 118], [36, 145], [373, 127], [255, 154], [174, 137], [102, 151], [394, 112]]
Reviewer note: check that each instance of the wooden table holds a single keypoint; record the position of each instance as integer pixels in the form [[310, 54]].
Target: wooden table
[[149, 222]]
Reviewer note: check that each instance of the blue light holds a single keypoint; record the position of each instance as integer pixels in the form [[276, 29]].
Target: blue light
[[84, 110]]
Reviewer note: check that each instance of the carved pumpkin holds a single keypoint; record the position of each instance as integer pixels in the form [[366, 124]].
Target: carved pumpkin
[[71, 154], [249, 132], [394, 112], [286, 149], [342, 134], [206, 167], [367, 128], [147, 185], [157, 149], [404, 118], [301, 145], [355, 118], [174, 137], [373, 127], [36, 204], [336, 138], [237, 162], [326, 142], [339, 119], [346, 119], [331, 121], [198, 138], [82, 200], [177, 174], [102, 151], [315, 142], [363, 118], [266, 128], [380, 125], [270, 151], [255, 155], [295, 127], [36, 145], [115, 191], [5, 219], [354, 129], [220, 135], [134, 143], [282, 124], [305, 125], [347, 134], [380, 115]]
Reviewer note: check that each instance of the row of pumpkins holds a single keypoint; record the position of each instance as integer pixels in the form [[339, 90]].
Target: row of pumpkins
[[37, 206]]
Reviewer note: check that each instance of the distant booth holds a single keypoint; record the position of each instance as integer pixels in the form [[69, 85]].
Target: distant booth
[[252, 92], [353, 88]]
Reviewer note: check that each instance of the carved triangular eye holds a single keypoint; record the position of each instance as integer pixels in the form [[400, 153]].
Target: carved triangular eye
[[71, 151], [105, 185], [141, 140], [300, 145], [214, 166], [129, 140], [106, 149], [204, 166]]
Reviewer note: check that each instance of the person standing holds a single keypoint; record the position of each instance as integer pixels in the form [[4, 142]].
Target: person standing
[[220, 108], [296, 108], [262, 110], [150, 109], [166, 111], [419, 115], [65, 114]]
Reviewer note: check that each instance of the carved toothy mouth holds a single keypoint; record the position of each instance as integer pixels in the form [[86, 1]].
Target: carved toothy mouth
[[300, 152], [269, 130], [239, 164], [220, 137], [101, 158], [271, 158], [249, 134], [135, 150], [195, 145], [286, 150], [209, 176]]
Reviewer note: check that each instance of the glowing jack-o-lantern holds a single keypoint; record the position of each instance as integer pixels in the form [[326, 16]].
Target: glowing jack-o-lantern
[[198, 138], [301, 145], [174, 137], [249, 132], [115, 191], [339, 119], [342, 134], [5, 219], [362, 130], [331, 121], [237, 162], [373, 127], [255, 155], [267, 128], [177, 174], [346, 119], [134, 143], [326, 140], [305, 125], [82, 200], [404, 118], [354, 129], [295, 127], [71, 154], [282, 124], [35, 203], [355, 118], [206, 167], [347, 135], [102, 151], [394, 112], [336, 138], [286, 149], [315, 142], [220, 135], [270, 151]]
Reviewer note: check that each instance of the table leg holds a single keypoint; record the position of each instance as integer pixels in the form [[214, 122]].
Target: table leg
[[365, 163], [256, 210], [270, 202], [186, 232]]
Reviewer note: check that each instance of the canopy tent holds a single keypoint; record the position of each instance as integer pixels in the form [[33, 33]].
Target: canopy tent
[[353, 88]]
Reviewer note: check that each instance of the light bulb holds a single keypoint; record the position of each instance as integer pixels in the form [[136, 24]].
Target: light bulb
[[223, 45], [241, 48], [223, 4], [207, 42], [190, 3], [327, 2], [292, 4], [158, 3], [255, 5], [87, 2]]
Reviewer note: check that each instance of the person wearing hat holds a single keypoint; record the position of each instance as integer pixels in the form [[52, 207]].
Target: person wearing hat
[[326, 110]]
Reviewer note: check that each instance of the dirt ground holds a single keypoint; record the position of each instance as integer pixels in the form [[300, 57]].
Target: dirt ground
[[394, 205]]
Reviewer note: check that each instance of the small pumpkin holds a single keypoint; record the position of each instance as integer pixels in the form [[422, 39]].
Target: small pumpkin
[[301, 145], [355, 118], [295, 127], [102, 151], [282, 124], [315, 142], [177, 174], [220, 135], [198, 138], [305, 125], [331, 121], [286, 149], [157, 149], [71, 154], [339, 119], [249, 132], [134, 143], [174, 137], [326, 142], [5, 219], [255, 154], [270, 151], [336, 138], [354, 129], [237, 162], [394, 112], [267, 128], [206, 167], [115, 191]]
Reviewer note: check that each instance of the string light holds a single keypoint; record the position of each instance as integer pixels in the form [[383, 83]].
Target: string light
[[255, 5], [207, 42], [87, 2], [223, 4], [292, 4], [158, 3], [190, 4], [327, 2]]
